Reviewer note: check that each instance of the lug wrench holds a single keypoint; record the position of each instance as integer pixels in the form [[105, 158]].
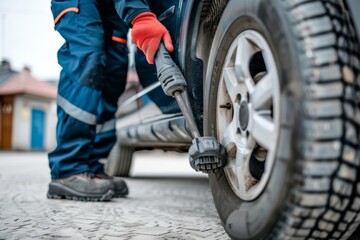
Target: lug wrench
[[205, 153]]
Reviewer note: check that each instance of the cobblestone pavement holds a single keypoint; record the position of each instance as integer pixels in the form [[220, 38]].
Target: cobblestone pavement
[[171, 207]]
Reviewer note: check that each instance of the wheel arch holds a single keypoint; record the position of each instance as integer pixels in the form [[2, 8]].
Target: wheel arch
[[197, 30]]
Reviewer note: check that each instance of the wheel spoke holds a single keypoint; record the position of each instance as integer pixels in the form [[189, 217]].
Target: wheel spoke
[[263, 92], [232, 83], [241, 178], [249, 82], [263, 131], [245, 51], [228, 135], [236, 164]]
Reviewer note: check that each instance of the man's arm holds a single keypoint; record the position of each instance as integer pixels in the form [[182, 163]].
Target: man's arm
[[129, 9], [147, 31]]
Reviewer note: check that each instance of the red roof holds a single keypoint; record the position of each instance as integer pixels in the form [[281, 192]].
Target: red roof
[[25, 83]]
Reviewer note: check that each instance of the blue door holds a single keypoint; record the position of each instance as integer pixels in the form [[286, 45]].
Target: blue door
[[37, 129]]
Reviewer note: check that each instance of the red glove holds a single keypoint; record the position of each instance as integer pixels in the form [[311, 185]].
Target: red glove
[[147, 33]]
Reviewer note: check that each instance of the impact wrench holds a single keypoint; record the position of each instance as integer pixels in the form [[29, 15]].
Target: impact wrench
[[205, 153]]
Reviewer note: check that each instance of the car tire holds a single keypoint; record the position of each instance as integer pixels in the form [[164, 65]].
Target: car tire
[[119, 161], [313, 184]]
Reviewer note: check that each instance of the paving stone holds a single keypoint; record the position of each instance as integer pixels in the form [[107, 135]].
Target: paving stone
[[106, 237], [152, 231], [143, 237], [162, 208]]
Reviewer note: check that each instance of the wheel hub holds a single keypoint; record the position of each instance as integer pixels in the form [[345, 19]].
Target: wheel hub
[[244, 115]]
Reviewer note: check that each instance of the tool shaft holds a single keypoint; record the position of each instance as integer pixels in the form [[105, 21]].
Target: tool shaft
[[187, 114]]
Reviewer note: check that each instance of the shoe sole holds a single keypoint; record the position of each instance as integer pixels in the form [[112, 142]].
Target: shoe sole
[[60, 191], [120, 193]]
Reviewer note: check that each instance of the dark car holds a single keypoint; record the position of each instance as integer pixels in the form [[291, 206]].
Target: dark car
[[277, 83]]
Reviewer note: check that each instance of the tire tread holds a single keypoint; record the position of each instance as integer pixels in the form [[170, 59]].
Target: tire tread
[[119, 161], [326, 201]]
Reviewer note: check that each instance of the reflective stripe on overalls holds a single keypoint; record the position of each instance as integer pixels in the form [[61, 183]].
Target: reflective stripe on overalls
[[94, 61]]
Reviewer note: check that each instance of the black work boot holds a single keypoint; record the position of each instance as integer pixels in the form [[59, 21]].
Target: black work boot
[[120, 187], [81, 187]]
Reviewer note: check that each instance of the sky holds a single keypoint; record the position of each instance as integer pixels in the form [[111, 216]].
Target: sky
[[28, 38]]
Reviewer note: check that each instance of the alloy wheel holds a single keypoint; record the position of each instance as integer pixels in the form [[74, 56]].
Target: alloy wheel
[[248, 114]]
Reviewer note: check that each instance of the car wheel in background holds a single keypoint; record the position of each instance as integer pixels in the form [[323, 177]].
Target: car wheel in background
[[119, 161], [281, 95]]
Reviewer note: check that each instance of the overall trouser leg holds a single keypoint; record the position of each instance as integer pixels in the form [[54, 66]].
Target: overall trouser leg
[[83, 59], [115, 74]]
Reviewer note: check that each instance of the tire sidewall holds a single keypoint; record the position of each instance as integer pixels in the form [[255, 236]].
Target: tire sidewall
[[119, 160], [256, 219]]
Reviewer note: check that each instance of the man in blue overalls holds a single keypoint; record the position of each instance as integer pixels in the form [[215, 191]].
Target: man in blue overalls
[[94, 62]]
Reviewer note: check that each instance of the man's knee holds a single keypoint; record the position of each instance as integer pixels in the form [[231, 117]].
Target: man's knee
[[83, 64]]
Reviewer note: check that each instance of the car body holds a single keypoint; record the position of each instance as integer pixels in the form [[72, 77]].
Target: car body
[[313, 49]]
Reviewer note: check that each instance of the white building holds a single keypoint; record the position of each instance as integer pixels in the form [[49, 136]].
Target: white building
[[28, 113]]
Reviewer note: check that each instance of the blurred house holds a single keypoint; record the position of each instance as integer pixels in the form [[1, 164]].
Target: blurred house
[[28, 111], [5, 71]]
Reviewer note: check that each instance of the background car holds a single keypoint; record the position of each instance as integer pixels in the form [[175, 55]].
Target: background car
[[277, 83]]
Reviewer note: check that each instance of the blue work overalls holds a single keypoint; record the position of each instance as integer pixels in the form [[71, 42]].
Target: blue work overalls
[[94, 61]]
